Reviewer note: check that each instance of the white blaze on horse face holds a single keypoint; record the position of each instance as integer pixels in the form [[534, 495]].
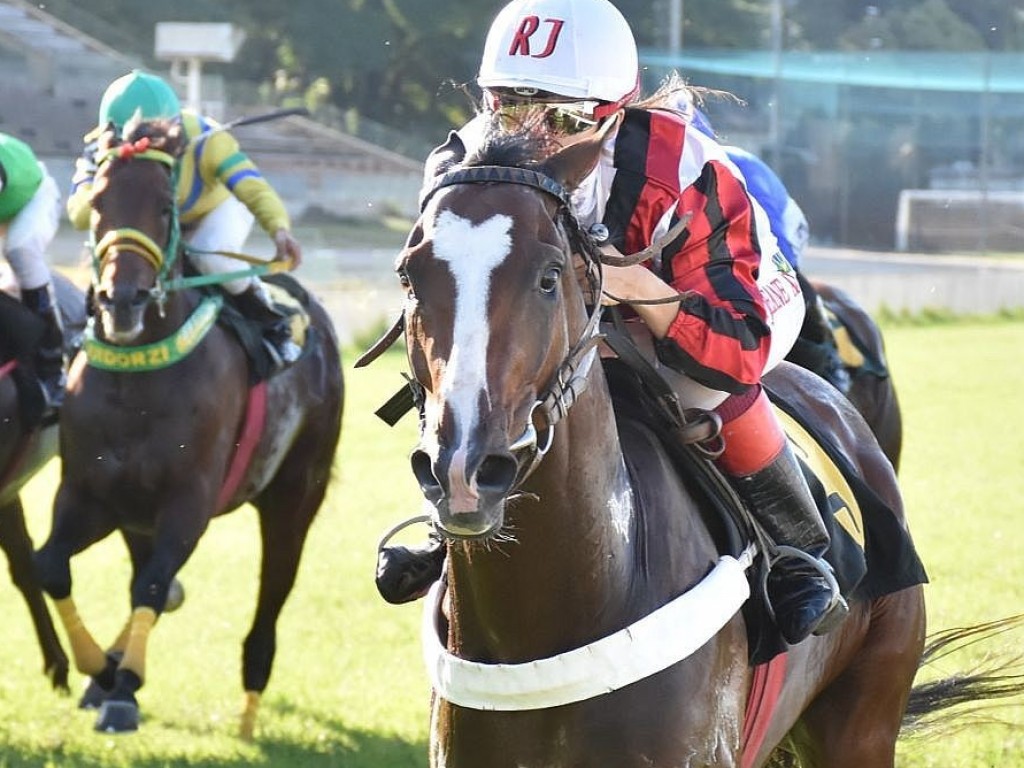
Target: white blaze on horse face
[[472, 252]]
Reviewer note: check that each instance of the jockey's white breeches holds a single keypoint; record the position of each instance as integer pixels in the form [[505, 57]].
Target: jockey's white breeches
[[30, 233], [225, 228]]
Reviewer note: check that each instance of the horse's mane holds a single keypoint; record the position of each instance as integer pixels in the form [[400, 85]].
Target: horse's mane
[[525, 146], [165, 135]]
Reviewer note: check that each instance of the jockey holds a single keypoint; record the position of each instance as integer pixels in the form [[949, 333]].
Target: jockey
[[29, 214], [220, 193], [573, 64], [815, 348]]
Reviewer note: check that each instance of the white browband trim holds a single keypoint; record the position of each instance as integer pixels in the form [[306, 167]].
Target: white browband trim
[[654, 643]]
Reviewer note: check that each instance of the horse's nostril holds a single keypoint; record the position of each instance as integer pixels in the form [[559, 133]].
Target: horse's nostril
[[141, 297], [423, 470], [496, 473]]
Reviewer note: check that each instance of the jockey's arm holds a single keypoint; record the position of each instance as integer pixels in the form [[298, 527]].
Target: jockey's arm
[[224, 161], [79, 205], [639, 283]]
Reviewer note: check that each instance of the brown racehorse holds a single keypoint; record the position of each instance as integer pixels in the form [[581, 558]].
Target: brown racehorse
[[871, 390], [26, 444], [580, 567], [156, 451]]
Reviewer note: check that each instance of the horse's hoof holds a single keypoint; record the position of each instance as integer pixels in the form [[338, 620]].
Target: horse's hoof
[[175, 596], [93, 697], [58, 675], [96, 693], [118, 717]]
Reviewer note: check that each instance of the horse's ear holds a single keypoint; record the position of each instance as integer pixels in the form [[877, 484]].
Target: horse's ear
[[132, 124], [107, 137], [574, 162], [175, 138], [441, 160]]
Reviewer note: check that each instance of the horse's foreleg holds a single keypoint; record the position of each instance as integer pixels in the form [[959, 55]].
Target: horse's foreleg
[[101, 685], [17, 546], [154, 564], [73, 530], [77, 524], [120, 711]]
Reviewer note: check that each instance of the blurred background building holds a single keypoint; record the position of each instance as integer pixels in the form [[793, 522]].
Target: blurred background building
[[917, 151], [52, 76], [894, 125]]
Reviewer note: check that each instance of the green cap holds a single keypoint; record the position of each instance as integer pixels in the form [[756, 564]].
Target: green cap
[[140, 92]]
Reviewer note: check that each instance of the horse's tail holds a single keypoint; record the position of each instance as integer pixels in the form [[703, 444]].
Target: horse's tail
[[937, 703]]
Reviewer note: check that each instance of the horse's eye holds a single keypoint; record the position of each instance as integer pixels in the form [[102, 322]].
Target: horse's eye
[[549, 281], [403, 279]]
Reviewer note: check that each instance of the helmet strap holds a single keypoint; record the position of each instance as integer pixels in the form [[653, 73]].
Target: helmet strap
[[602, 111]]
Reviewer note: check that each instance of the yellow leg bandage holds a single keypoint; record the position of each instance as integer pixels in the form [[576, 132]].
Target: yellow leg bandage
[[252, 705], [89, 657], [134, 658], [122, 639]]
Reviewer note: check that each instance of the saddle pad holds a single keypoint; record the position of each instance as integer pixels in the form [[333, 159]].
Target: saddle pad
[[290, 305], [842, 503], [892, 560], [854, 353]]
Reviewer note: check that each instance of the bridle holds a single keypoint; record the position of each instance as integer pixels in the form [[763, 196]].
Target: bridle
[[571, 377], [132, 240]]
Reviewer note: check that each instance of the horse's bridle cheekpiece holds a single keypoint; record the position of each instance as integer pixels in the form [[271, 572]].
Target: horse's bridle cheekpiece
[[570, 380]]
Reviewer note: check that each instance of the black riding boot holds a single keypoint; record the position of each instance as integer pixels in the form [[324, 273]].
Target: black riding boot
[[406, 573], [803, 598], [815, 348], [257, 305], [48, 360]]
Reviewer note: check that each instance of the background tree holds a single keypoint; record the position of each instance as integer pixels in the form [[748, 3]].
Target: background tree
[[406, 62]]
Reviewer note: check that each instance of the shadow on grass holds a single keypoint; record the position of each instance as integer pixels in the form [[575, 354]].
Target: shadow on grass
[[326, 743]]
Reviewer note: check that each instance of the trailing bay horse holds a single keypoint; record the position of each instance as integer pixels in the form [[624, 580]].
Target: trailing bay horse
[[27, 442], [871, 386], [587, 617], [163, 428]]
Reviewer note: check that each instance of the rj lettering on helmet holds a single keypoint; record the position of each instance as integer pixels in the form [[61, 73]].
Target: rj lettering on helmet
[[527, 28]]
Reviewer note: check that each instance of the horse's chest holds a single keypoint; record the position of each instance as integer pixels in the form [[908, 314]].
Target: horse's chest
[[679, 719], [142, 449]]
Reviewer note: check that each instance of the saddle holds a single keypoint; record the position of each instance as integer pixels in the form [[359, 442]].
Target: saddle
[[871, 553], [292, 300]]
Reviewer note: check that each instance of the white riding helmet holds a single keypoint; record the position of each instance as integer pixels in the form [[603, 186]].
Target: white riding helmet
[[575, 49]]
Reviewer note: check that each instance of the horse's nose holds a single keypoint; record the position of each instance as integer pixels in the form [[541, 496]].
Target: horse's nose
[[466, 484], [121, 298], [496, 474], [423, 471]]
